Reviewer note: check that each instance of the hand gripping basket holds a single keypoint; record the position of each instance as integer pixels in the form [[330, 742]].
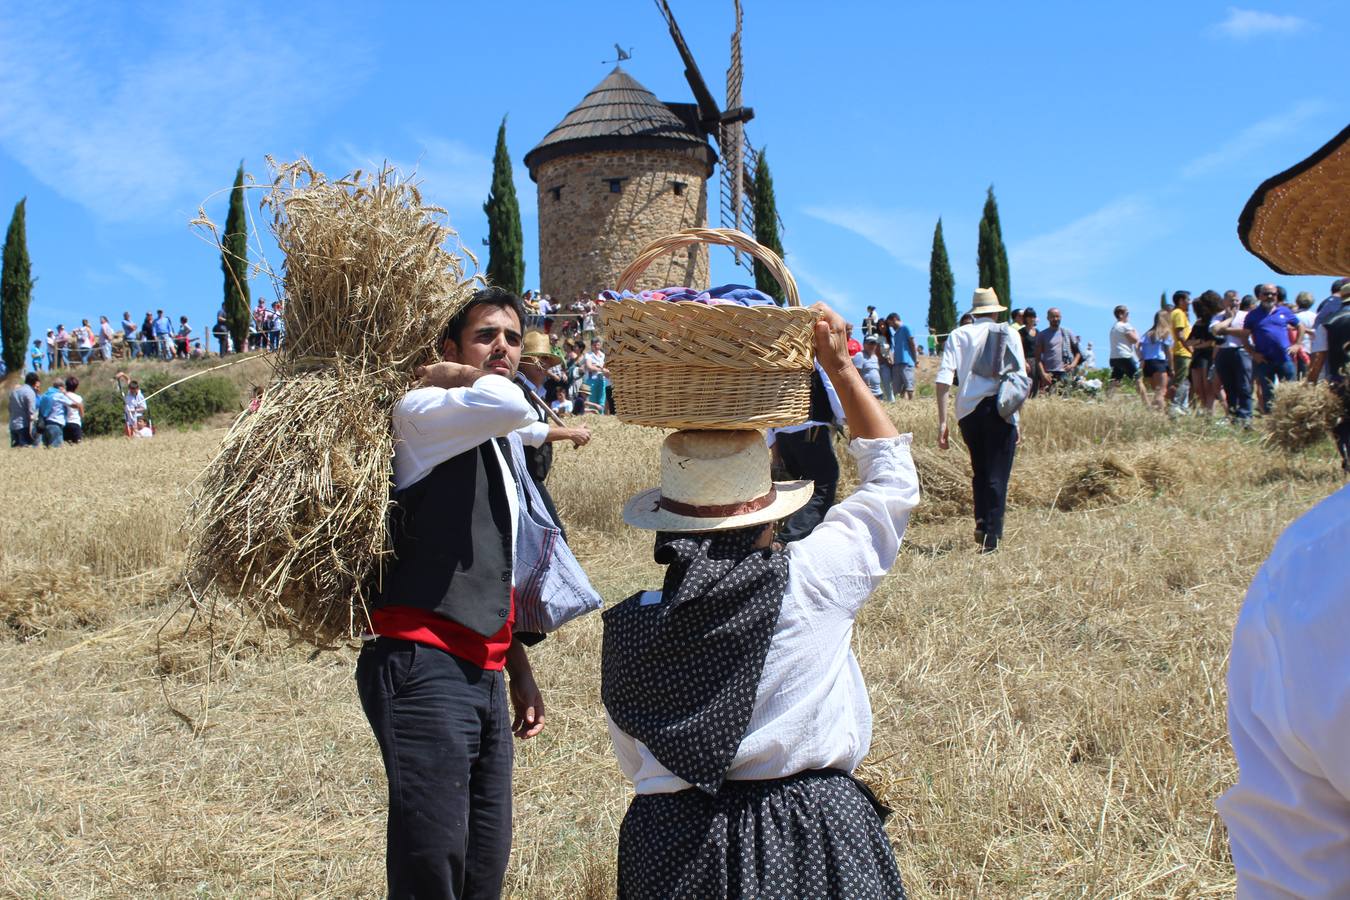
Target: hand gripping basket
[[695, 365]]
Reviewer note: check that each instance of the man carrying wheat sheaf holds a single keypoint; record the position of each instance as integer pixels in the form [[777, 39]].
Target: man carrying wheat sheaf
[[433, 676]]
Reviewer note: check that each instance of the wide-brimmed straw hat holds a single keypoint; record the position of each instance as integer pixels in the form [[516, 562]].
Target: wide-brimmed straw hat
[[715, 481], [985, 301], [536, 348], [1298, 222]]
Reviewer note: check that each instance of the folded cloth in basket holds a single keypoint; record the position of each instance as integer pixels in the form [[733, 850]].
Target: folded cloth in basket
[[724, 294]]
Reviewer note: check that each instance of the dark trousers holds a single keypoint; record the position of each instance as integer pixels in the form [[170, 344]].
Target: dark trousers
[[809, 453], [1235, 373], [1266, 373], [992, 443], [445, 734], [20, 437]]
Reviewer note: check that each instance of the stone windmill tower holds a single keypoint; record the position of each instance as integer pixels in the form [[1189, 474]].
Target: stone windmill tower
[[621, 169], [624, 168]]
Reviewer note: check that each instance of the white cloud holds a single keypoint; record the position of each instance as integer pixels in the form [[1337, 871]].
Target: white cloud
[[141, 275], [1074, 263], [1244, 24], [1255, 137], [820, 287], [905, 235], [129, 110]]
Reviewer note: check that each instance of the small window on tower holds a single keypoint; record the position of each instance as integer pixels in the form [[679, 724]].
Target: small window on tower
[[615, 185], [556, 192], [679, 187]]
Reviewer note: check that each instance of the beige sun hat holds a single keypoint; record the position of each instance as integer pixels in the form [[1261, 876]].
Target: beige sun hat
[[536, 348], [985, 301], [715, 481]]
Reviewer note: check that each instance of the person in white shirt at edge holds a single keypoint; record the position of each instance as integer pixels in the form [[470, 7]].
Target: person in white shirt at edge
[[105, 338], [73, 431], [734, 702], [1288, 816], [990, 439], [133, 403], [444, 612], [1124, 357]]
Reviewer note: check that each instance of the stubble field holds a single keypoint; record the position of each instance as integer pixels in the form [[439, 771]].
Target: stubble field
[[1048, 721]]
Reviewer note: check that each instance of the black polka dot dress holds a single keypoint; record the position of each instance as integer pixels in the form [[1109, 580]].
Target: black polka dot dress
[[681, 675], [812, 835]]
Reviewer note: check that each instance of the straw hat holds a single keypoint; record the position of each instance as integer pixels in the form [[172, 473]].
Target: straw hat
[[715, 481], [1297, 221], [985, 301], [536, 348]]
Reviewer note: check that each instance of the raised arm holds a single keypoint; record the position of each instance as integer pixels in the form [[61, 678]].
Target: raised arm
[[862, 412]]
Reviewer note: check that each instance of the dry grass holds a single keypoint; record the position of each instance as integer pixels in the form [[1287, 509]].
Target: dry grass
[[1049, 721], [291, 518]]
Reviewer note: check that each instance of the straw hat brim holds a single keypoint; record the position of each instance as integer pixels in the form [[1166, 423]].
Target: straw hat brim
[[643, 512], [1297, 222], [981, 310], [547, 360]]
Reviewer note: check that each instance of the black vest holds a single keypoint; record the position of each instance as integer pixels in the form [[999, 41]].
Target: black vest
[[452, 543], [821, 411]]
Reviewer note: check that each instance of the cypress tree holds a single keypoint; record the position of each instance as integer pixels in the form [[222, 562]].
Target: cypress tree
[[234, 263], [16, 289], [766, 226], [992, 258], [506, 254], [941, 288]]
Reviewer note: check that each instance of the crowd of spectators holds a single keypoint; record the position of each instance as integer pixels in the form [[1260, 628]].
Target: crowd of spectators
[[55, 417], [156, 336], [1227, 352]]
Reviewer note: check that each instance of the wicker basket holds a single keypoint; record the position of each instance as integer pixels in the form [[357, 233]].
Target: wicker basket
[[694, 365]]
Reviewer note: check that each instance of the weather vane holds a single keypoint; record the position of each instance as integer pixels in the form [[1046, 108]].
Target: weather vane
[[622, 54]]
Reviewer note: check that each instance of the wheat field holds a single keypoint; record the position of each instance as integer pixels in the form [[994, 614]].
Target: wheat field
[[1048, 721]]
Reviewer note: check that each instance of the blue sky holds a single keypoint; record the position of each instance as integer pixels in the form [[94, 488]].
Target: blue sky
[[1121, 139]]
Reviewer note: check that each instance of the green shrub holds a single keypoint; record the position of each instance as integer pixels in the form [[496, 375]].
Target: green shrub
[[189, 403]]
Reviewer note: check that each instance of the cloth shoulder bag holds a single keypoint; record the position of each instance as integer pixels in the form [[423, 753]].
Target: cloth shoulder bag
[[998, 361], [551, 588]]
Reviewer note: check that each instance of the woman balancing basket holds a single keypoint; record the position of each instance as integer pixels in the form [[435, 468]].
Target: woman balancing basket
[[701, 366]]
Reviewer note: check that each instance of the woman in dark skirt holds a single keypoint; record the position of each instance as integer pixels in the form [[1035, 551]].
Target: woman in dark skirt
[[734, 701]]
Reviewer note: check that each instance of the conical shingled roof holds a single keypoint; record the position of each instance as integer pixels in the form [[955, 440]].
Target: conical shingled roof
[[619, 113]]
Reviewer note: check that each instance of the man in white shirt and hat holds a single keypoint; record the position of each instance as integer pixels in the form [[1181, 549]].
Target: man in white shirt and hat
[[990, 438]]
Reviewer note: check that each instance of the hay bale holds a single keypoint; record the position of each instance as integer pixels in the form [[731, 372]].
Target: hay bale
[[290, 517], [1099, 480], [944, 484], [1106, 479], [1302, 415]]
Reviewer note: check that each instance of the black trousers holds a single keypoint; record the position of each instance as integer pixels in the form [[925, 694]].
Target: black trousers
[[445, 734], [991, 442], [809, 453]]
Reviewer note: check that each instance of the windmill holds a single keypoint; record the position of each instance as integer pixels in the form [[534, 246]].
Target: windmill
[[726, 126]]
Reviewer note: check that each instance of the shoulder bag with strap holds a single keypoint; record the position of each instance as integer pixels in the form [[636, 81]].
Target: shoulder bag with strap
[[997, 360]]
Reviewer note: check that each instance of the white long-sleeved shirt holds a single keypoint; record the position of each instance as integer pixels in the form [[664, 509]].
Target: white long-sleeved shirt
[[959, 353], [1288, 816], [811, 709], [433, 424]]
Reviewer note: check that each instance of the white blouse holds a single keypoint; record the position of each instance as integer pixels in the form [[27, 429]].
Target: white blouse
[[811, 709], [1288, 816]]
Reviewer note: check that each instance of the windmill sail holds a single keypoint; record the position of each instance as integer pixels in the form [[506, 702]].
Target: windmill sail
[[727, 127], [731, 140]]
